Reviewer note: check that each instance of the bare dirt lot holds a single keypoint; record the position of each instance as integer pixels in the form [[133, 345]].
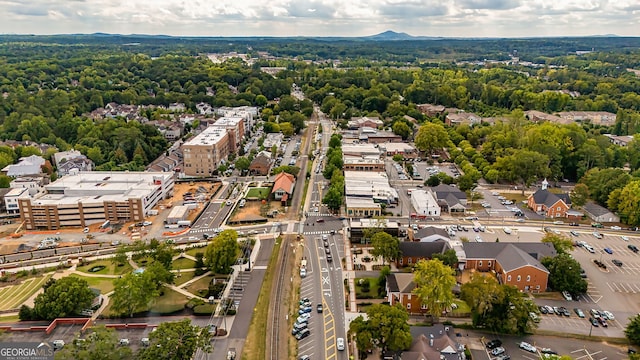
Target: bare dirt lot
[[256, 209]]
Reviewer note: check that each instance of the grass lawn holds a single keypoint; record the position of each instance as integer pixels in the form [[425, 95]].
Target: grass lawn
[[9, 319], [11, 297], [463, 307], [104, 284], [373, 289], [183, 277], [198, 285], [142, 262], [183, 263], [259, 192], [110, 268], [170, 302], [194, 251]]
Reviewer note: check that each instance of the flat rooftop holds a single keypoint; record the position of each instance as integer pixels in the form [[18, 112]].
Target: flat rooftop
[[228, 121], [100, 186], [356, 202], [210, 136]]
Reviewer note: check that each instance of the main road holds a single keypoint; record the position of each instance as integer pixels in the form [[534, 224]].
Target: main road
[[324, 281]]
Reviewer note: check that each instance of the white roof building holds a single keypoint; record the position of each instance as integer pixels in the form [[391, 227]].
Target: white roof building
[[425, 203], [30, 165]]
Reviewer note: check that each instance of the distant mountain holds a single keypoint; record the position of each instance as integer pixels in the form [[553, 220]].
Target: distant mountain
[[391, 35]]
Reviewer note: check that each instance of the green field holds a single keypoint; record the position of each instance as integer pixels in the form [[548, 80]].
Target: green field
[[104, 284], [259, 192], [182, 277], [11, 297], [200, 284], [170, 302], [183, 263], [193, 251], [110, 268]]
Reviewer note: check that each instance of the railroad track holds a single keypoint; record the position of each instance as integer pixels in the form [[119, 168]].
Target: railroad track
[[276, 302]]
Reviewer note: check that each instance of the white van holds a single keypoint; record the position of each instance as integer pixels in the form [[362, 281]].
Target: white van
[[340, 344], [303, 272]]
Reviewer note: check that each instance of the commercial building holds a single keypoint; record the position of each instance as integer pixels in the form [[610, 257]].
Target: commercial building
[[363, 164], [235, 129], [93, 197], [178, 213], [206, 151], [425, 203], [374, 185], [362, 207], [358, 227]]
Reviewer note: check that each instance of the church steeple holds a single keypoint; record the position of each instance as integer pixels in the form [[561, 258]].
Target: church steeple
[[545, 184]]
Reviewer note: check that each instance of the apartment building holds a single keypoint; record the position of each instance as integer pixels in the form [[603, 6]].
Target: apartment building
[[206, 151], [85, 198], [235, 129]]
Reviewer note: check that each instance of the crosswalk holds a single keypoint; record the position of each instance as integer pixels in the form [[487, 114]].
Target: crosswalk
[[318, 214], [316, 232]]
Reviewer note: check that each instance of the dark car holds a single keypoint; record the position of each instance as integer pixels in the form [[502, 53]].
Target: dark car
[[543, 309], [617, 263], [594, 322], [574, 224], [329, 258], [327, 250], [633, 248], [303, 334], [320, 220], [494, 344], [319, 308], [565, 311]]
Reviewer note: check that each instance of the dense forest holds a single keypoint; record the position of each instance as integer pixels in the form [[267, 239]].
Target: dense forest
[[49, 84]]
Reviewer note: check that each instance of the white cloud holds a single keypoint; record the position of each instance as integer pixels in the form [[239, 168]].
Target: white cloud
[[507, 18]]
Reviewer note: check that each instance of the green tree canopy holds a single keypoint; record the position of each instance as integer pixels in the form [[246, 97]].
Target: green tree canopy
[[176, 340], [431, 137], [564, 274], [385, 246], [100, 343], [64, 297], [386, 325], [561, 243], [434, 285], [632, 332], [222, 252]]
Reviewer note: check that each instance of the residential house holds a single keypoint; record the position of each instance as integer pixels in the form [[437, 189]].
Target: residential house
[[598, 213], [30, 165], [516, 264], [454, 119], [11, 199], [450, 198], [430, 109], [358, 123], [551, 205], [539, 116], [261, 164], [411, 251], [82, 163], [430, 234], [63, 156], [283, 187], [620, 140], [435, 342]]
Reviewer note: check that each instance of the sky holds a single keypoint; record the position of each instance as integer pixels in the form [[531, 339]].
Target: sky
[[447, 18]]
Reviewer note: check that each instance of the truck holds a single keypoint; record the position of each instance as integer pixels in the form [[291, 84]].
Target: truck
[[231, 354], [184, 223]]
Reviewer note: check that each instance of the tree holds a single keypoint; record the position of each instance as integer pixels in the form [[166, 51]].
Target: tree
[[432, 181], [523, 165], [120, 258], [176, 340], [385, 246], [333, 198], [497, 307], [397, 158], [335, 141], [434, 284], [579, 195], [564, 274], [100, 344], [242, 163], [131, 293], [389, 326], [402, 129], [222, 252], [601, 182], [448, 258], [632, 332], [626, 202], [561, 244], [62, 298], [431, 137], [359, 327]]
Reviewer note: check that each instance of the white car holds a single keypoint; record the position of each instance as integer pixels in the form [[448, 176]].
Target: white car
[[340, 344], [478, 238], [528, 347], [616, 228], [625, 238], [506, 230], [567, 296], [608, 315]]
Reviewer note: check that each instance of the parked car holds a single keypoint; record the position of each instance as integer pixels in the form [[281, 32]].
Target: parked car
[[597, 235], [543, 309], [603, 322], [633, 248], [528, 347], [340, 344], [565, 311], [617, 262], [594, 322], [625, 238], [608, 250], [319, 308], [608, 315], [567, 296], [303, 334], [574, 233], [579, 312], [506, 230], [494, 344], [498, 351], [616, 228]]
